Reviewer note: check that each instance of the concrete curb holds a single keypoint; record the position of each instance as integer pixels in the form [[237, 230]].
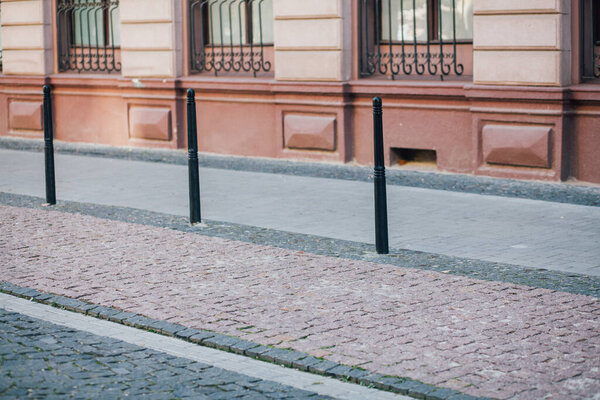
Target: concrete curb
[[287, 358], [534, 190]]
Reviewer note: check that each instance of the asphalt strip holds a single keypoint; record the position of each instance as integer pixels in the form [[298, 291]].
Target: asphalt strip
[[232, 362]]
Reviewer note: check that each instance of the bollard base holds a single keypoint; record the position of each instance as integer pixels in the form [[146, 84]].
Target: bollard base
[[375, 254], [47, 204]]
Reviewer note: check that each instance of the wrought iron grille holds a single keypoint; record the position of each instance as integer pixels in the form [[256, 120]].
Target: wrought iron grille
[[231, 36], [413, 37], [88, 35]]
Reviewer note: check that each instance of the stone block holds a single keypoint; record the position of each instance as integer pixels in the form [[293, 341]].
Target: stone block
[[527, 146], [201, 336], [151, 123], [304, 33], [518, 5], [149, 63], [314, 132], [146, 10], [322, 367], [20, 37], [518, 31], [22, 12], [26, 62], [312, 65], [536, 68], [25, 115], [147, 36], [305, 8]]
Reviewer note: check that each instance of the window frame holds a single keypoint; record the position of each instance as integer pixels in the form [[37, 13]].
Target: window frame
[[590, 43], [228, 55], [433, 25], [435, 57], [88, 55], [248, 31], [0, 36]]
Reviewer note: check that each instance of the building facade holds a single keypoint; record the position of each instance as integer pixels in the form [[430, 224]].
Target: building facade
[[502, 88]]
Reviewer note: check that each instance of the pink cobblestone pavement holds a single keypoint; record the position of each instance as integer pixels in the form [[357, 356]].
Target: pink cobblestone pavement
[[483, 338]]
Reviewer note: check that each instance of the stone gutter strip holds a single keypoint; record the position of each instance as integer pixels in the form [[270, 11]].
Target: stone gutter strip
[[287, 358], [478, 269], [535, 190]]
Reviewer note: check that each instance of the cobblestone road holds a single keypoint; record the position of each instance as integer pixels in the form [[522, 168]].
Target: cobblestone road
[[482, 338], [42, 360]]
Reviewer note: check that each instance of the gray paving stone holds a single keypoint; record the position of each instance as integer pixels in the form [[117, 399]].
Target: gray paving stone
[[137, 321], [279, 355], [441, 394], [102, 311], [465, 397], [221, 342], [121, 316], [187, 333], [342, 370], [287, 357], [201, 336], [306, 363], [322, 367], [257, 351]]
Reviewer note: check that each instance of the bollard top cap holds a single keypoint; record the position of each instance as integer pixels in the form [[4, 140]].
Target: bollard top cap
[[46, 89], [191, 93], [377, 101]]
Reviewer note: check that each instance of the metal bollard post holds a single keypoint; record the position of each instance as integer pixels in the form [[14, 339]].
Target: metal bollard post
[[381, 225], [194, 176], [49, 147]]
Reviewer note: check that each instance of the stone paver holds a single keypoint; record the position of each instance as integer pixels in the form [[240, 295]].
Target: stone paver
[[42, 360], [523, 232], [483, 338]]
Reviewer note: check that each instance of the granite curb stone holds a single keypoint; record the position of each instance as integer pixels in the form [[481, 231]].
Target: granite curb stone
[[555, 192], [312, 364], [257, 351], [478, 269]]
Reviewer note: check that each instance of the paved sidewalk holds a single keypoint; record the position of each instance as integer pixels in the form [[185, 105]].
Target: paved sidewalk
[[528, 233], [483, 338]]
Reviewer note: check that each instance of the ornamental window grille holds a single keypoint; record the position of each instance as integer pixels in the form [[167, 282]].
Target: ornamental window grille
[[414, 37], [88, 34], [231, 36], [591, 38]]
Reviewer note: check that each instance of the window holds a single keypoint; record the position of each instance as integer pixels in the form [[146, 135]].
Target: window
[[88, 35], [591, 38], [414, 37], [231, 35]]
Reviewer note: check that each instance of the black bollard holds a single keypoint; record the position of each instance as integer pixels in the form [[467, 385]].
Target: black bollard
[[194, 176], [49, 147], [381, 225]]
